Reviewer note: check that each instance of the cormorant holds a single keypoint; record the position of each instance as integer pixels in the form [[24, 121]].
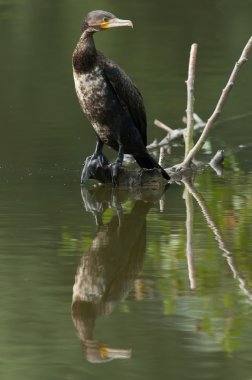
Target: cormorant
[[110, 100]]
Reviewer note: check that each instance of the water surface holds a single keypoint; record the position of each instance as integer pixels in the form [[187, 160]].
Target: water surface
[[88, 275]]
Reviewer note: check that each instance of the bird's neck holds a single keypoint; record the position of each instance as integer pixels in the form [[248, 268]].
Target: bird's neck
[[85, 54]]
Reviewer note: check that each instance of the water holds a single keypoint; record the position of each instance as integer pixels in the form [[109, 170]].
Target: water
[[186, 316]]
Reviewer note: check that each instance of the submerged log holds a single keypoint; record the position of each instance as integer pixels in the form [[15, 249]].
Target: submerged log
[[143, 178], [132, 178]]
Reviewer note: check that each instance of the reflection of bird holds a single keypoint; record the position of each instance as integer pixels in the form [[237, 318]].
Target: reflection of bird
[[110, 100], [107, 273]]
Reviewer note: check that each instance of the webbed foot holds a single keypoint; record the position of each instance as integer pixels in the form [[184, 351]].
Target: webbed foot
[[92, 165]]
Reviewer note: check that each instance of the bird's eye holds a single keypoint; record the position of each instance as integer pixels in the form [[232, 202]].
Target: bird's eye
[[105, 19]]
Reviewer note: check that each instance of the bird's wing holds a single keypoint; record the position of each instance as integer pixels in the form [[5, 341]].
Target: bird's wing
[[129, 96]]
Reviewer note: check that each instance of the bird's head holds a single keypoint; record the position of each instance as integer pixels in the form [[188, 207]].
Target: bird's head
[[97, 21]]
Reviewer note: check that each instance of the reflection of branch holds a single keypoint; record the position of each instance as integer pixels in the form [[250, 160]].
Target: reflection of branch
[[222, 245], [189, 234]]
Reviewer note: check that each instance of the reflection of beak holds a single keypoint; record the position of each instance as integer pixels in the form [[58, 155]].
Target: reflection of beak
[[100, 353], [115, 22]]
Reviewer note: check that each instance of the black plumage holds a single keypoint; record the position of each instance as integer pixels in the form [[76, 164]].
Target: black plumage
[[109, 98]]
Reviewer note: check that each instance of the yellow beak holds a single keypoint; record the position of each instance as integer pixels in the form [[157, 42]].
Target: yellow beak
[[116, 22]]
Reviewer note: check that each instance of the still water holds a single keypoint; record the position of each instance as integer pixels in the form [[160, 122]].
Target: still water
[[160, 282]]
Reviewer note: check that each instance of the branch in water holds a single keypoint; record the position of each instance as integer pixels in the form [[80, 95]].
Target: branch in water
[[225, 92], [188, 136]]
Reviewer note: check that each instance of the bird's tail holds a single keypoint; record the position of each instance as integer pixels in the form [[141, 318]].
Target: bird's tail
[[148, 162]]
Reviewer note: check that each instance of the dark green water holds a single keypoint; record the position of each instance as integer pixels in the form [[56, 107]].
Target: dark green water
[[132, 273]]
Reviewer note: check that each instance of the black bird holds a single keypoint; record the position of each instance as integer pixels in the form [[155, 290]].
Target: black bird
[[109, 99]]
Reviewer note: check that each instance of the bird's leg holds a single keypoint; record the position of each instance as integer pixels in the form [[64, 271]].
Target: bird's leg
[[116, 165], [94, 162], [98, 152]]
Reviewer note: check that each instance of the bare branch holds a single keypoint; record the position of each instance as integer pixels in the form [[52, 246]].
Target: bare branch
[[163, 126], [210, 122], [161, 156], [174, 134], [190, 100], [199, 122], [153, 145]]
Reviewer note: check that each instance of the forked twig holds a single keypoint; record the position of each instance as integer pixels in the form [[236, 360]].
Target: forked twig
[[225, 92]]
